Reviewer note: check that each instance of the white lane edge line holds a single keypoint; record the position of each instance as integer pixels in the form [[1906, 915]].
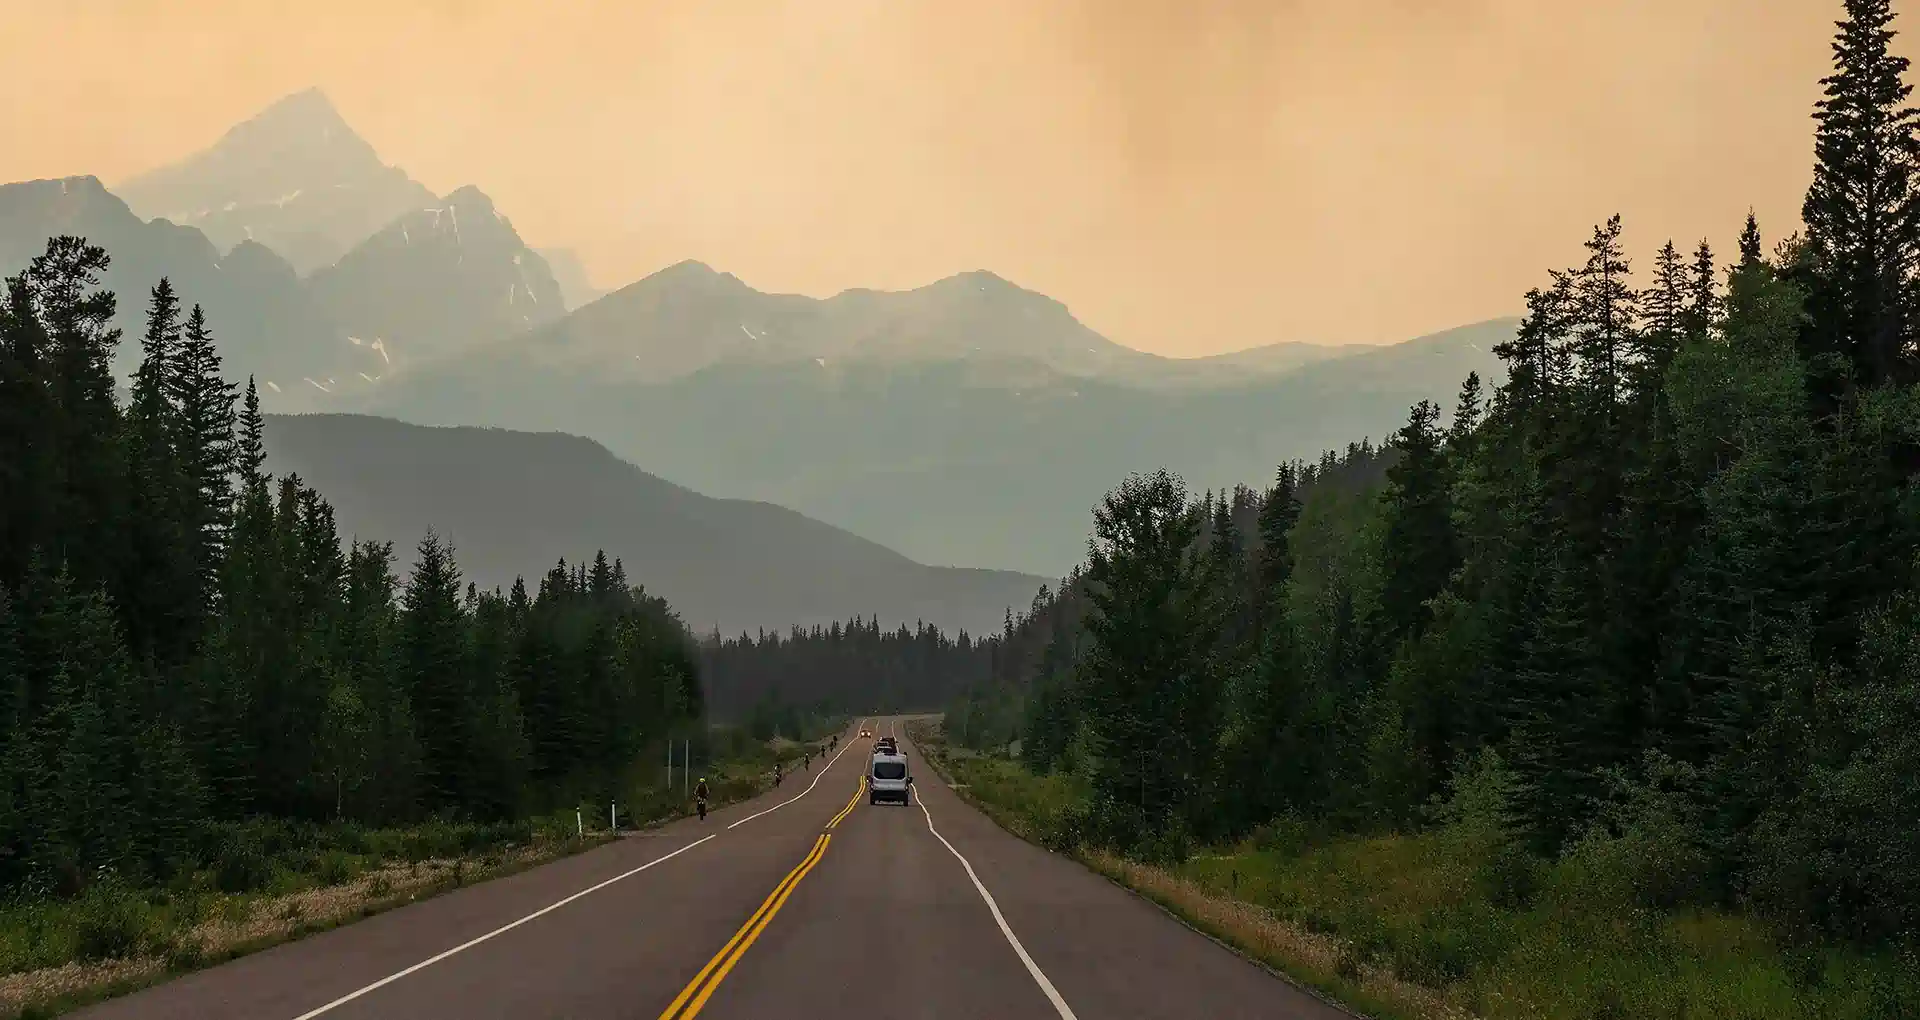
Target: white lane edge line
[[470, 943], [1053, 995], [822, 774]]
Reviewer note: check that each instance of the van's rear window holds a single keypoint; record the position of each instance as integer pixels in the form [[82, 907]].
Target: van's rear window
[[889, 770]]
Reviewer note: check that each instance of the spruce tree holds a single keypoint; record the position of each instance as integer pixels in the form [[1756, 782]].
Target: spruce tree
[[371, 629], [1862, 214], [83, 734], [215, 717], [1605, 309], [13, 681], [83, 428], [433, 664], [1467, 411], [159, 563], [1564, 715], [1418, 552], [1751, 252], [1703, 308], [204, 443], [600, 584], [1278, 512], [1664, 308], [27, 461], [165, 799], [250, 453]]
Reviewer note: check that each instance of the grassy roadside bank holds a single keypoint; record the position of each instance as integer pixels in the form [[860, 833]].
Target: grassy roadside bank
[[1426, 927], [268, 882]]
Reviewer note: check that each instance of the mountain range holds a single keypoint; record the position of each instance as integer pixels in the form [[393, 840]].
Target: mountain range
[[410, 291], [969, 421], [294, 177], [690, 316], [320, 267], [514, 503]]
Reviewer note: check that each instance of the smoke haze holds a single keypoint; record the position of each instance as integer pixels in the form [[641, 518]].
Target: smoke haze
[[1190, 176]]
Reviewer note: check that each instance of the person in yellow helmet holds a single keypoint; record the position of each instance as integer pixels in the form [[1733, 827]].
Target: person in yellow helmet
[[700, 797]]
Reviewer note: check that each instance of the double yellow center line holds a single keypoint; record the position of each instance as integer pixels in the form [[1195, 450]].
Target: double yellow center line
[[694, 997]]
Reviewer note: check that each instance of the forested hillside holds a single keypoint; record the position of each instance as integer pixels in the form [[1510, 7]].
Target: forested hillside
[[1649, 607], [984, 459], [842, 670], [185, 643], [731, 564]]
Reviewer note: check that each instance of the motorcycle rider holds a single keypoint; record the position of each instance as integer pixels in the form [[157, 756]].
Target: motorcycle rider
[[700, 797]]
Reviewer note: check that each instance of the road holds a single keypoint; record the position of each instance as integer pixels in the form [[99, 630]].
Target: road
[[806, 902]]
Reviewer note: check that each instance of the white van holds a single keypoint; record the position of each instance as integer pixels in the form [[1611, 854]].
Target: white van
[[887, 779]]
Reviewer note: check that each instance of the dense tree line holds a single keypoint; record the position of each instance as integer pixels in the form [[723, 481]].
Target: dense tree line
[[1026, 692], [1659, 584], [857, 667], [185, 641]]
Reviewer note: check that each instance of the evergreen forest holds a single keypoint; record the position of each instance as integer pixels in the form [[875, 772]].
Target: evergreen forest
[[187, 646], [1655, 592], [841, 670]]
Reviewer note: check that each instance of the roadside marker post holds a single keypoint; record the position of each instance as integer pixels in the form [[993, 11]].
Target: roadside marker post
[[579, 824]]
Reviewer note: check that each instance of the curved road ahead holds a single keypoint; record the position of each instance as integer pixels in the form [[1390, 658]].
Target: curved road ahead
[[806, 902]]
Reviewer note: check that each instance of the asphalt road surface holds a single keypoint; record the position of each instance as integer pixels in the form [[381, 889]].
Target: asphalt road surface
[[806, 902]]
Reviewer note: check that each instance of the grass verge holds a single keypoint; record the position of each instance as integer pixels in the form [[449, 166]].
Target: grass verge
[[56, 956], [1413, 927], [268, 882]]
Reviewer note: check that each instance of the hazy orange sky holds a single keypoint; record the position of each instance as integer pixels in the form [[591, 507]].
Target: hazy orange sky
[[1190, 176]]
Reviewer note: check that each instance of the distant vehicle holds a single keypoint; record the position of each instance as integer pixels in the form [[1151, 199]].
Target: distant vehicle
[[888, 780], [866, 733]]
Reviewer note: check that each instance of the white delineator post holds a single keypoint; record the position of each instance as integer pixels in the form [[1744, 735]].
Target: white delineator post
[[579, 823], [613, 816]]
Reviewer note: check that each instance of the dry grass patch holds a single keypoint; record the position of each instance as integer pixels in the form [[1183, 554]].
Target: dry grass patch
[[1317, 960], [231, 926], [18, 991]]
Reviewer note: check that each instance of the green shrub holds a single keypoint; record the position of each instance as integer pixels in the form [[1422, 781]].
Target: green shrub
[[1645, 848], [1480, 835], [241, 867], [111, 922], [1287, 835], [336, 867], [1451, 943], [1064, 830]]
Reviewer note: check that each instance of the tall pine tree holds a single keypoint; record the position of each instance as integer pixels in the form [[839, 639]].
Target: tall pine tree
[[204, 447], [1862, 215]]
